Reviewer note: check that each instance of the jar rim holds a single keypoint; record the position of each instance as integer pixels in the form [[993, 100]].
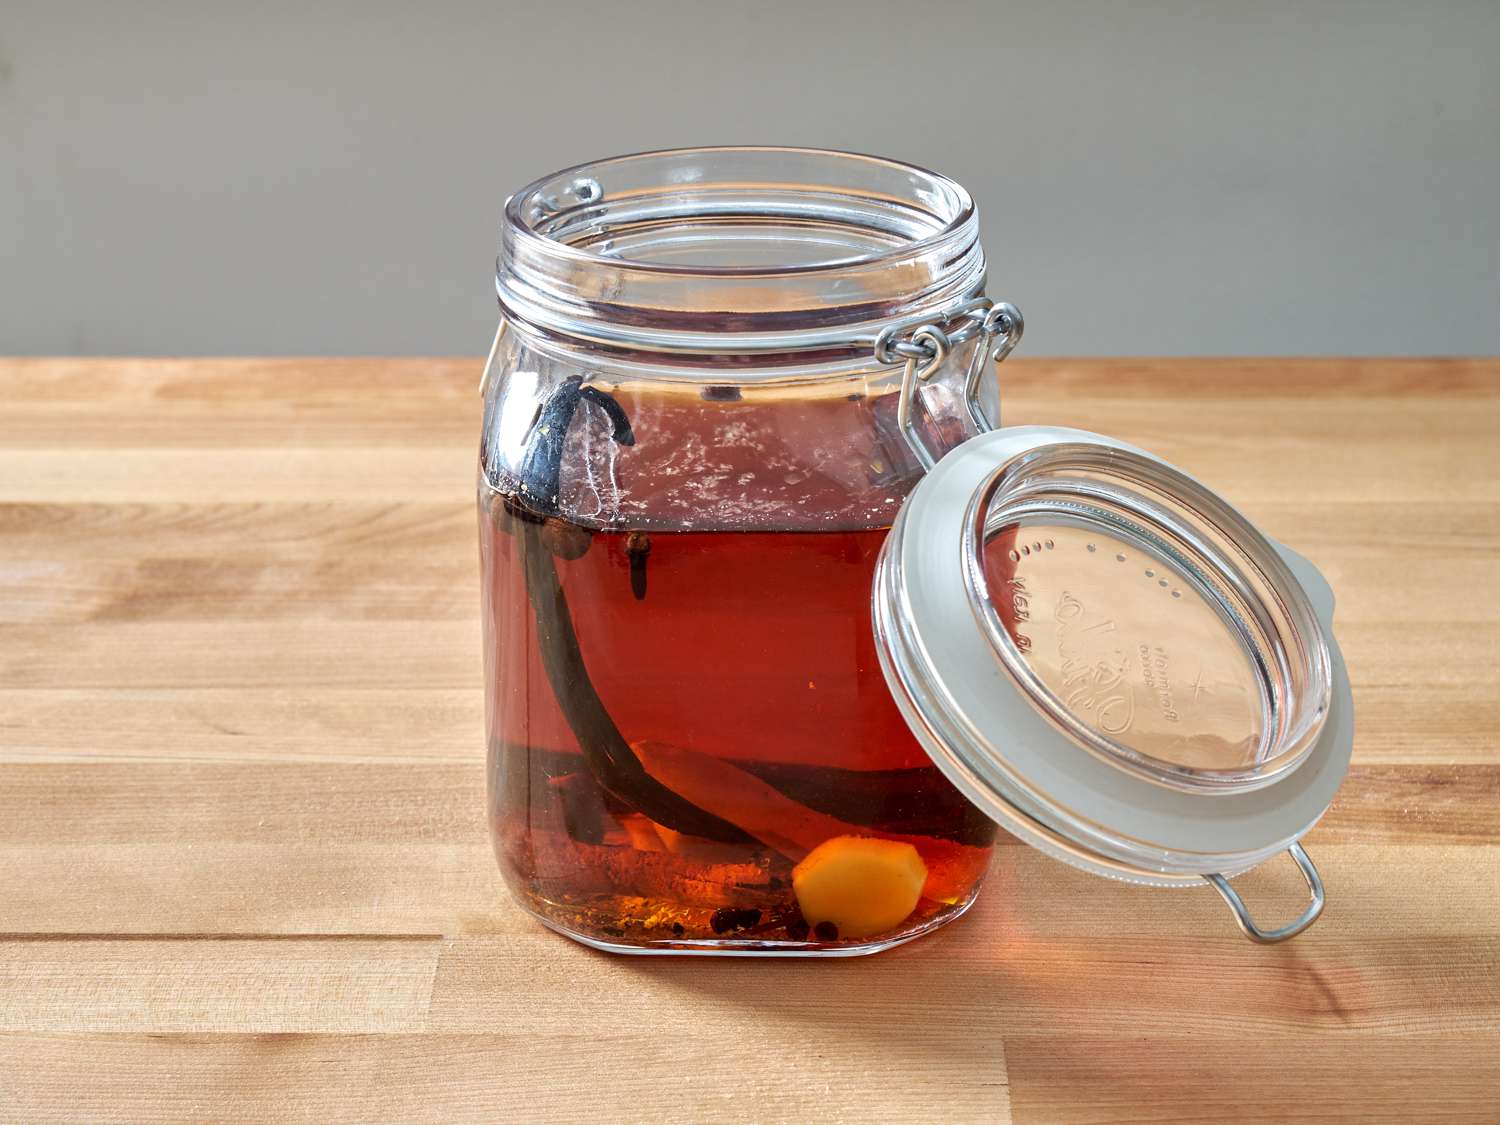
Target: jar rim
[[516, 205], [736, 249]]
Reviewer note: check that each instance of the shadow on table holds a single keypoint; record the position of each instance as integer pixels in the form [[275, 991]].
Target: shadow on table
[[933, 1003], [1051, 951]]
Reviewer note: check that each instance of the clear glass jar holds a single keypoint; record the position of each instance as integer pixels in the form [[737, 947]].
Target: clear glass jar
[[692, 451]]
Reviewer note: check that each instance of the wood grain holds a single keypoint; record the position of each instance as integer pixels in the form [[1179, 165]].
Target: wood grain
[[165, 985], [243, 865]]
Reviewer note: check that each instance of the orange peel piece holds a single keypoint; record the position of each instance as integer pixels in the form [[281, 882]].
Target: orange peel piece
[[643, 833], [863, 885], [738, 797], [792, 829]]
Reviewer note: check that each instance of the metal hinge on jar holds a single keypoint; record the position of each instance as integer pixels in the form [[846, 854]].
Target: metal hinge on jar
[[923, 347]]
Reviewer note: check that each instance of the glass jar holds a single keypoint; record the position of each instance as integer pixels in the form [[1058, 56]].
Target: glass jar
[[726, 711], [690, 459]]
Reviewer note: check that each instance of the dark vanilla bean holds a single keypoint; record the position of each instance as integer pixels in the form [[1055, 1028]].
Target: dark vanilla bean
[[538, 539]]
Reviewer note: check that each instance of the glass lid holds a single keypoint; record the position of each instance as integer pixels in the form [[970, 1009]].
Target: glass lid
[[1146, 619], [1109, 659]]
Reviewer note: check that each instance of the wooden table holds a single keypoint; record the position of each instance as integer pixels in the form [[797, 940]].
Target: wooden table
[[243, 863]]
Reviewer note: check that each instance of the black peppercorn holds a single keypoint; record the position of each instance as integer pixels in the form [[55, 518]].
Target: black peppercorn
[[728, 918], [826, 931]]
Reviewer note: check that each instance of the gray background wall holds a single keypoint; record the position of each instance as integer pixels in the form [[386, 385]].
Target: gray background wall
[[1156, 178]]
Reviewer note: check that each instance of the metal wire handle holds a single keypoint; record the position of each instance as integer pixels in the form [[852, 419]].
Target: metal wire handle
[[924, 346], [1292, 929]]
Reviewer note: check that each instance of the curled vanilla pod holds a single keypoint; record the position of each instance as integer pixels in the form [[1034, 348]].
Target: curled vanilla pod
[[605, 749], [539, 474]]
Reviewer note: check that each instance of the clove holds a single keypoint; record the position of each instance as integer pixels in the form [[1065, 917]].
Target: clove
[[637, 547]]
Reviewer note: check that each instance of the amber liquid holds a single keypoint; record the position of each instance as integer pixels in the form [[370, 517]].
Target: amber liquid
[[743, 659]]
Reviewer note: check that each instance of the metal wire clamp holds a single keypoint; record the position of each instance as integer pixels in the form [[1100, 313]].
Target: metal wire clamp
[[923, 347], [1292, 929]]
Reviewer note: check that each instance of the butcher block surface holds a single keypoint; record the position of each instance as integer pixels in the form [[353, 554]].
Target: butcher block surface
[[244, 871]]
